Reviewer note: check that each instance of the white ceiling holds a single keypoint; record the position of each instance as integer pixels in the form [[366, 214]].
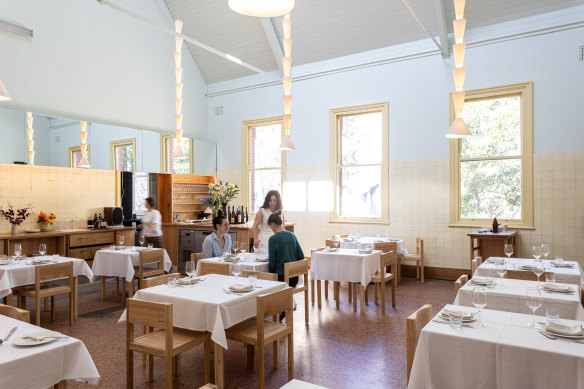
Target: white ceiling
[[325, 29]]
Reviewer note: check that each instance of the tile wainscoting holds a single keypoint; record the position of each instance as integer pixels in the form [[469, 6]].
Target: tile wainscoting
[[419, 207]]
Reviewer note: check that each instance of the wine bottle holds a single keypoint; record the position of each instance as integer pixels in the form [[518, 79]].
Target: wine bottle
[[238, 216], [231, 216], [95, 222], [246, 216], [495, 225]]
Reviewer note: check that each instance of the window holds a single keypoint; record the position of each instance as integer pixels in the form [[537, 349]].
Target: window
[[263, 160], [74, 156], [123, 155], [171, 165], [359, 163], [140, 185], [491, 171]]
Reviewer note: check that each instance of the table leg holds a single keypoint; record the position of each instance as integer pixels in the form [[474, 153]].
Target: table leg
[[117, 288], [336, 286], [350, 292], [8, 299], [354, 286], [60, 385], [131, 288], [76, 295], [102, 287], [362, 302], [219, 367], [318, 294]]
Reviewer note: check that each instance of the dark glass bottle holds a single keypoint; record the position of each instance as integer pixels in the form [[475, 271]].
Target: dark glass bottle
[[95, 222], [495, 225], [246, 215]]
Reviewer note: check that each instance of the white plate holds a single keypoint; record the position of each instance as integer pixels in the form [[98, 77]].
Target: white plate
[[40, 261], [240, 288], [4, 262], [33, 230], [563, 336], [25, 341]]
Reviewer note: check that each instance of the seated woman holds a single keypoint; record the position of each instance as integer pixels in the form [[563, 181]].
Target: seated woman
[[282, 247], [219, 241]]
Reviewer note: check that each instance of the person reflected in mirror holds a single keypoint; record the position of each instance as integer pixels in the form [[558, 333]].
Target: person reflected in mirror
[[151, 224]]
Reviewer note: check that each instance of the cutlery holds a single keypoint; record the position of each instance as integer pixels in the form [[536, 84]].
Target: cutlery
[[10, 333], [447, 322], [41, 338], [228, 292], [553, 337]]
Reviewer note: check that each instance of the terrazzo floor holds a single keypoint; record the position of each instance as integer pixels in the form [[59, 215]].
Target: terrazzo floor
[[340, 348]]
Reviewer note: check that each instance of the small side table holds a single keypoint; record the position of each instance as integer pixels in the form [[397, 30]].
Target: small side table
[[490, 244]]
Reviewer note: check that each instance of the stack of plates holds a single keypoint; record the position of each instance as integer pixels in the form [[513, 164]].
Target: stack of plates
[[4, 262], [564, 331], [563, 264], [365, 251], [40, 261], [557, 288]]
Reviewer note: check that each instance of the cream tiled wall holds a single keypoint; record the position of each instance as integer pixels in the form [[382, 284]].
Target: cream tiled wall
[[69, 193], [419, 207]]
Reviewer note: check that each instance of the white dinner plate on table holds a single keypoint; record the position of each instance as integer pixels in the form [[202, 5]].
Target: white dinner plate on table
[[33, 230], [4, 262], [581, 337], [40, 261], [240, 288], [365, 251], [466, 318], [36, 338], [188, 281]]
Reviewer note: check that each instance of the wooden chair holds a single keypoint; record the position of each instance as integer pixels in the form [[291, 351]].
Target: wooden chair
[[214, 268], [259, 332], [160, 280], [296, 269], [167, 342], [261, 275], [459, 283], [474, 265], [151, 265], [15, 313], [414, 325], [582, 295], [312, 279], [45, 273], [418, 257], [196, 257], [387, 259]]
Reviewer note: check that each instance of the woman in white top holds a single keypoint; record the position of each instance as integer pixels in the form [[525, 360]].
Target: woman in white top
[[151, 224], [261, 231]]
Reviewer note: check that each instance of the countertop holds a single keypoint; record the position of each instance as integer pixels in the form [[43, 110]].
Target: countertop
[[208, 225], [33, 235]]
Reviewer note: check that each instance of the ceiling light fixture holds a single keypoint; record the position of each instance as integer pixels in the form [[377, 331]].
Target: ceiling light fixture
[[30, 133], [287, 143], [83, 162], [458, 128], [4, 95], [262, 8], [178, 151]]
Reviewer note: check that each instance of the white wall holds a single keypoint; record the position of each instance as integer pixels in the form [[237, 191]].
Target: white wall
[[87, 61], [13, 131]]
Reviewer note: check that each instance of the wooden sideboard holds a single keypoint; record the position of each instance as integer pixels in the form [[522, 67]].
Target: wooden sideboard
[[491, 244], [81, 243]]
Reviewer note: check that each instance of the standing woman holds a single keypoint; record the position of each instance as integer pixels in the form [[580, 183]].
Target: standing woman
[[151, 224], [261, 231]]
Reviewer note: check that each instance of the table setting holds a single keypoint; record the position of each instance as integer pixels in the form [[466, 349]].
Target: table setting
[[567, 272], [345, 265], [238, 262], [363, 242], [120, 262], [33, 357]]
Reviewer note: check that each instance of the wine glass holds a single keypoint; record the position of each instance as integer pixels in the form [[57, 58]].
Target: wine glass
[[190, 270], [501, 271], [538, 270], [236, 273], [121, 240], [536, 252], [533, 300], [141, 239], [253, 279], [508, 250], [243, 248], [17, 250], [479, 300], [234, 247], [42, 249], [545, 250]]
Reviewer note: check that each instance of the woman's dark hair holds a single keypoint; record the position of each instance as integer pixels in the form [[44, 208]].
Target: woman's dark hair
[[218, 221], [275, 218], [150, 201], [278, 200]]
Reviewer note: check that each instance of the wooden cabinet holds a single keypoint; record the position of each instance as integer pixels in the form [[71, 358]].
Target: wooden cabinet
[[96, 238], [489, 244], [181, 194]]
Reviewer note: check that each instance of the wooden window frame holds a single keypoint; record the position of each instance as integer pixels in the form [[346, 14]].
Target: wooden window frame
[[164, 154], [335, 165], [246, 125], [525, 91], [75, 149], [121, 143]]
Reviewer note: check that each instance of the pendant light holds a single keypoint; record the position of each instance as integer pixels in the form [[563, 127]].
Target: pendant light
[[287, 143], [4, 95], [262, 8], [83, 162], [178, 151], [458, 128], [29, 134]]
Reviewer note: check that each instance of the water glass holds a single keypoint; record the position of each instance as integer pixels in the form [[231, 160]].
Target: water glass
[[253, 279], [121, 240], [171, 282], [550, 277], [552, 314], [150, 245], [455, 319], [141, 240], [559, 258], [479, 300], [533, 301], [508, 250], [17, 250], [545, 250]]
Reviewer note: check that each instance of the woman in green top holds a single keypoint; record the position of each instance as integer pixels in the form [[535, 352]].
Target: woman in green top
[[283, 247]]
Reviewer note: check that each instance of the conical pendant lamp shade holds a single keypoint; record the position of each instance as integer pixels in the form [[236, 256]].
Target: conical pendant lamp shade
[[458, 129], [4, 95], [262, 8], [287, 143]]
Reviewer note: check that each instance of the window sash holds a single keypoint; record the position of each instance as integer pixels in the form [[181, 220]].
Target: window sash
[[115, 145]]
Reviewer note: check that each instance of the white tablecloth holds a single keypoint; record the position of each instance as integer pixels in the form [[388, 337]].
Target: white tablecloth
[[206, 306], [565, 275], [120, 263], [365, 240], [511, 298], [506, 354], [21, 272], [346, 265], [249, 263], [44, 365]]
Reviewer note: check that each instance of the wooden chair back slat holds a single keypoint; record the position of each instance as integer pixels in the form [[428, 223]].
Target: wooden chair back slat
[[53, 271], [273, 303], [295, 269], [414, 324], [160, 280], [214, 268], [329, 243], [459, 283], [151, 256], [149, 314], [475, 263], [196, 257], [15, 313], [385, 246], [261, 275]]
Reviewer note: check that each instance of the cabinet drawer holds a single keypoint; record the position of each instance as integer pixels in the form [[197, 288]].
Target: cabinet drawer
[[85, 252], [94, 238]]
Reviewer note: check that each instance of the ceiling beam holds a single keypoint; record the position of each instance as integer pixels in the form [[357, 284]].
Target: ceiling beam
[[186, 38], [442, 28], [407, 4], [274, 42], [15, 29]]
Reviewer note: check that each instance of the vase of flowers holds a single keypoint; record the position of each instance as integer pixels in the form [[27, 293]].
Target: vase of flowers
[[46, 221], [222, 194], [15, 216]]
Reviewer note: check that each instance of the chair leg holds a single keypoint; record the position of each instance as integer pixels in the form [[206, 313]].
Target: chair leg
[[326, 290], [376, 293], [355, 294], [312, 290], [261, 379], [393, 294], [131, 288], [175, 365], [102, 287], [350, 292], [318, 294], [366, 295], [336, 285], [149, 368], [250, 356], [21, 302], [306, 317], [168, 372], [38, 311], [207, 359], [277, 354], [46, 304], [417, 270], [362, 295], [290, 357], [129, 369], [117, 288], [71, 307], [382, 286], [52, 307], [422, 267]]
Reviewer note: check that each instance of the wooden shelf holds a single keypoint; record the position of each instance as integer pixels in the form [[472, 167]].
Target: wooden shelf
[[171, 186]]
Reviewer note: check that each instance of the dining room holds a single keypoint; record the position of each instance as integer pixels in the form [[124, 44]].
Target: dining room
[[294, 194]]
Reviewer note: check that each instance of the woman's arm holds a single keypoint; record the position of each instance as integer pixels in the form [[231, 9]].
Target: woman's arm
[[255, 230], [207, 247]]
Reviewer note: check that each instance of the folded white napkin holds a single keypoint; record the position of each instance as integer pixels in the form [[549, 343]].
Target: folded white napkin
[[4, 262], [365, 251], [261, 259], [557, 287], [240, 287], [348, 240], [445, 313], [481, 280], [525, 267], [561, 329], [40, 260]]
